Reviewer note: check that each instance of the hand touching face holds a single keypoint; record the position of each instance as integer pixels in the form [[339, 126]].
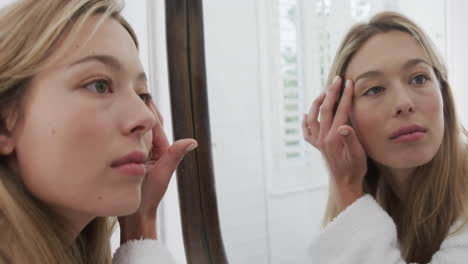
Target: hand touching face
[[337, 142], [393, 114]]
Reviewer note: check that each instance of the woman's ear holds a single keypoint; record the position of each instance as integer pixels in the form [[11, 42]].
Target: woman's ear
[[7, 140], [7, 144]]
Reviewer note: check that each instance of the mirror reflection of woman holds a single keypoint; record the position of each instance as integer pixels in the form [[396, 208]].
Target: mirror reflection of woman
[[396, 151], [80, 137]]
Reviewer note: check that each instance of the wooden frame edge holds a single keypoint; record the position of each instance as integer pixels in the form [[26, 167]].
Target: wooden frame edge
[[190, 113]]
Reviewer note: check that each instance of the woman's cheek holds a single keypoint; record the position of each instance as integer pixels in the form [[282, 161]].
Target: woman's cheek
[[366, 125]]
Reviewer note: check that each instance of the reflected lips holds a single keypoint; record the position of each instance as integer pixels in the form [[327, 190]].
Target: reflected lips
[[132, 164], [408, 134]]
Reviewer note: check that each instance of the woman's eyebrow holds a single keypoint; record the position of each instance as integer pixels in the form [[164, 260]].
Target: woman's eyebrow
[[413, 62], [109, 61], [368, 74], [410, 63]]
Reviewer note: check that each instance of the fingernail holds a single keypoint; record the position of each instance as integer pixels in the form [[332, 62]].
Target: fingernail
[[343, 132], [192, 147], [336, 79], [348, 82]]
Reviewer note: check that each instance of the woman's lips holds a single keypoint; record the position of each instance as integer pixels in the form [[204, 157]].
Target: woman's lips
[[131, 169], [132, 164], [411, 133], [411, 137]]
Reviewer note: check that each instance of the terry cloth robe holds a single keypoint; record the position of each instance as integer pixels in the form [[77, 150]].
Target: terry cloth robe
[[365, 234], [143, 252]]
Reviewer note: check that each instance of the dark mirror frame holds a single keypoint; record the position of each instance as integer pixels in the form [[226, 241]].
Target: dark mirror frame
[[190, 117]]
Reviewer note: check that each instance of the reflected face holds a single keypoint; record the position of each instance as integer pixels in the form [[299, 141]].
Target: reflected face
[[397, 107], [82, 115]]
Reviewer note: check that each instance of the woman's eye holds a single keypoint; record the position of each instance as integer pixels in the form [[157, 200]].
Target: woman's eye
[[374, 90], [419, 79], [146, 97], [99, 86]]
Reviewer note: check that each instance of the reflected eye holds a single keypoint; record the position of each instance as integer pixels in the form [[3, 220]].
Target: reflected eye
[[99, 86], [420, 79], [374, 90], [145, 97]]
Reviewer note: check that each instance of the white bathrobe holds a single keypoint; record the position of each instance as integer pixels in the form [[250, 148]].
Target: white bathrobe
[[365, 234], [143, 252]]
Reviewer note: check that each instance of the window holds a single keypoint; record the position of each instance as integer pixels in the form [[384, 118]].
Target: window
[[291, 80]]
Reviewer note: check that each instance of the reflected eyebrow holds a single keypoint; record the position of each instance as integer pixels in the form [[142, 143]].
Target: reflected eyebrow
[[368, 74], [109, 61], [414, 62], [406, 66]]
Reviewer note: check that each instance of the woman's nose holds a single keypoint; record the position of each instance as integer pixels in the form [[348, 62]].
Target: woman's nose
[[138, 117], [404, 104], [404, 109]]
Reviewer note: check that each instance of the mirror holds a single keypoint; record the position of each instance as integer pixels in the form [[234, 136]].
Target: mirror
[[265, 61]]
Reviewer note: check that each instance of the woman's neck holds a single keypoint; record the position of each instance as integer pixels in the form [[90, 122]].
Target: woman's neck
[[76, 222], [398, 179]]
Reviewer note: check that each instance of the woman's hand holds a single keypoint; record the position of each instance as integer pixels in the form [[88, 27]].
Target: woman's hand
[[164, 160], [337, 142]]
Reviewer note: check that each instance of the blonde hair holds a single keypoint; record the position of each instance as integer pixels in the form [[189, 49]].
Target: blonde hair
[[437, 191], [30, 31]]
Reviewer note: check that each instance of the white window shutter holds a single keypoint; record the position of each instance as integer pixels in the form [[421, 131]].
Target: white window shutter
[[291, 81]]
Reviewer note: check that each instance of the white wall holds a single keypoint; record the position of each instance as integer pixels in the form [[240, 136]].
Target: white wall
[[457, 53], [5, 2], [235, 107]]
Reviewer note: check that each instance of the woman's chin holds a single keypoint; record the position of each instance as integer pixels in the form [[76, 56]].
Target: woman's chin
[[122, 207], [408, 162]]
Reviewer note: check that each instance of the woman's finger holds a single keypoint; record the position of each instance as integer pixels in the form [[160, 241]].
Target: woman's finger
[[312, 118], [344, 107], [306, 131], [168, 162], [326, 111], [350, 141], [160, 172], [160, 142], [158, 113]]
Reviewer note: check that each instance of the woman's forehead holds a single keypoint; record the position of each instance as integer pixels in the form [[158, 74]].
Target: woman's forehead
[[392, 49], [96, 36]]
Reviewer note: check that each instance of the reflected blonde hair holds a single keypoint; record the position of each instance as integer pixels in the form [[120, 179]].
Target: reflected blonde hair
[[30, 31], [437, 191]]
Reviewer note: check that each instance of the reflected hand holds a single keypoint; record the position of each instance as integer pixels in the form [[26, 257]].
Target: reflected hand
[[338, 143]]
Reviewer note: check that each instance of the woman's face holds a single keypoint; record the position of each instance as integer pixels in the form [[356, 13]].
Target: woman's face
[[80, 116], [397, 107]]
